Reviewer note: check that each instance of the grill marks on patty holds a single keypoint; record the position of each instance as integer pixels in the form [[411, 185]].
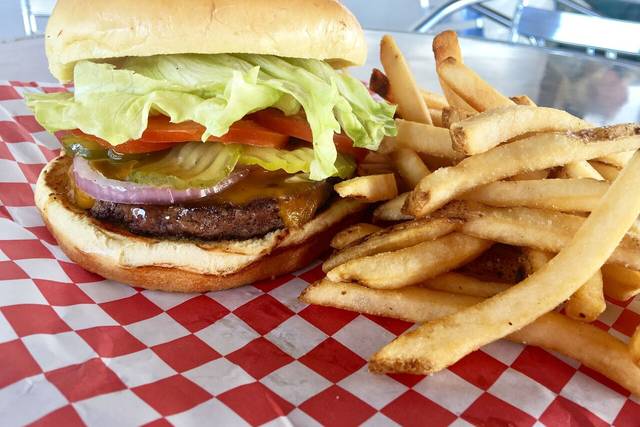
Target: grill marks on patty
[[216, 221]]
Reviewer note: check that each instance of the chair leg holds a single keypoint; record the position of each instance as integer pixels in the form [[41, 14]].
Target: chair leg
[[443, 12]]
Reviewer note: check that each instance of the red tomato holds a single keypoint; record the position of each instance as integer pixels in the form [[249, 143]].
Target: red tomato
[[298, 127], [129, 147], [160, 130], [266, 128], [162, 134]]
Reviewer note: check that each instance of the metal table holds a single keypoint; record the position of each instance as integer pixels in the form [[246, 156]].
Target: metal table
[[600, 90]]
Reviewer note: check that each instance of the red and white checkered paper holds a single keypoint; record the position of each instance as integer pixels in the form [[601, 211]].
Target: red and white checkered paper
[[77, 349]]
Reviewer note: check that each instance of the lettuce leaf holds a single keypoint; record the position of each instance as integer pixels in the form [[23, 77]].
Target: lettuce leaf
[[292, 161], [114, 102]]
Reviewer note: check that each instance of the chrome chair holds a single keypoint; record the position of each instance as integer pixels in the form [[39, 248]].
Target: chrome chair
[[582, 27], [588, 31]]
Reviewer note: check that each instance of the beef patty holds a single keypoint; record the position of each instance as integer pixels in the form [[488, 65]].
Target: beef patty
[[208, 222], [260, 203], [250, 209]]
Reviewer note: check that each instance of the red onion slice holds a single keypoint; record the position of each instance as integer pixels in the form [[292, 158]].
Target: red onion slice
[[100, 187]]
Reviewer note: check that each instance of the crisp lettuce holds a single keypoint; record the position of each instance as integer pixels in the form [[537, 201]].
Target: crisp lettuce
[[114, 102], [292, 161]]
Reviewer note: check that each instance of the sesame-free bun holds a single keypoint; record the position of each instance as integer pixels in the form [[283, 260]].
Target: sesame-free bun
[[179, 265], [95, 29]]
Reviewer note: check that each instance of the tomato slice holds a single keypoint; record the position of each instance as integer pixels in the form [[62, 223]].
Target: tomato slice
[[162, 134], [298, 127], [129, 147], [266, 128], [161, 130]]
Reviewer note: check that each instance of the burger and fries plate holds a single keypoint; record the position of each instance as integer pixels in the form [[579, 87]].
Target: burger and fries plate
[[490, 217], [478, 169]]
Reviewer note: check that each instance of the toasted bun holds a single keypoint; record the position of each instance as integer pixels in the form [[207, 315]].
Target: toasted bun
[[179, 265], [92, 29]]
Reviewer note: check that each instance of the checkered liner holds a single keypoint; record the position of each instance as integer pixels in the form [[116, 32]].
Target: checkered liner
[[77, 349]]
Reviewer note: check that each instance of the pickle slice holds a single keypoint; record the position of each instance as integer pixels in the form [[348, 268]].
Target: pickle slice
[[194, 164], [199, 164], [291, 161], [77, 146], [222, 165]]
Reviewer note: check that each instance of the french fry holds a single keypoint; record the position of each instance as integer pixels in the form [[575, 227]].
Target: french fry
[[371, 188], [536, 152], [434, 100], [634, 346], [451, 115], [587, 303], [392, 210], [409, 165], [608, 172], [455, 100], [568, 195], [437, 344], [583, 342], [618, 160], [436, 117], [434, 162], [620, 283], [469, 86], [456, 283], [353, 234], [411, 265], [446, 45], [426, 139], [412, 303], [406, 94], [541, 229], [530, 176], [535, 228], [393, 238], [523, 100], [484, 131], [379, 83], [582, 169]]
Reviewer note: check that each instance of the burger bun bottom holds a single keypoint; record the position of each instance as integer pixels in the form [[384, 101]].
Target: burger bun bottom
[[179, 265]]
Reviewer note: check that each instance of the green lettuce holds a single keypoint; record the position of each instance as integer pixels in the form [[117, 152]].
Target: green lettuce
[[114, 102], [292, 161]]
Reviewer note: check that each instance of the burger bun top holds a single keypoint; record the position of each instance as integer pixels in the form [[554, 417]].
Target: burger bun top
[[103, 29]]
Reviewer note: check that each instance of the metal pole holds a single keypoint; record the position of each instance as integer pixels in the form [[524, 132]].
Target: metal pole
[[578, 7], [26, 17], [493, 15], [442, 13]]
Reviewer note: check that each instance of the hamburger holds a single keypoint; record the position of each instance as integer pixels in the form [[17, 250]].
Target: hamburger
[[202, 139]]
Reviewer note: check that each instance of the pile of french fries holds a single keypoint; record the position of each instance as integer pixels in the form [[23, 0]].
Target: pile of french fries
[[479, 171]]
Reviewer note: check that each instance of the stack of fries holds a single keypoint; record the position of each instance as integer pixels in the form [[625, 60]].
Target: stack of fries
[[483, 175]]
